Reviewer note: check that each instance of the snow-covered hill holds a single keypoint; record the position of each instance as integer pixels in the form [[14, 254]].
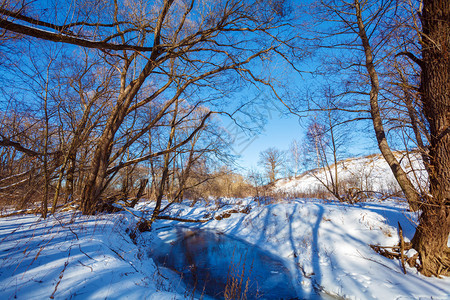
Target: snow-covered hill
[[369, 173]]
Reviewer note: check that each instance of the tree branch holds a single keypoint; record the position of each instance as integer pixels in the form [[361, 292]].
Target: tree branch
[[412, 57], [7, 143], [144, 158], [63, 38]]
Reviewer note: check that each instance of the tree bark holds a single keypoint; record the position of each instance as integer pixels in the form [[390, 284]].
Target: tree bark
[[400, 175], [433, 231], [71, 178], [100, 162]]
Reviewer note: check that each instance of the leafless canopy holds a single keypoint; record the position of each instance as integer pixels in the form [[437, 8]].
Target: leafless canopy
[[132, 62]]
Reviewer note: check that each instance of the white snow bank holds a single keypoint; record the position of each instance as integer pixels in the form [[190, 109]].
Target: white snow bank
[[75, 257], [324, 245]]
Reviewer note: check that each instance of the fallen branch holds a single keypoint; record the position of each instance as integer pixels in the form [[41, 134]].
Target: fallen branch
[[72, 205], [22, 212], [382, 251], [398, 251], [181, 220]]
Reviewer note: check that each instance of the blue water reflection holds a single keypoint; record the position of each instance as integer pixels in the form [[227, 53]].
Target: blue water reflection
[[224, 267]]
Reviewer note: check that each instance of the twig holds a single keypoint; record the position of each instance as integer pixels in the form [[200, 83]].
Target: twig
[[52, 296], [121, 257], [79, 246], [86, 265], [126, 209], [376, 262], [402, 247], [62, 225], [385, 247]]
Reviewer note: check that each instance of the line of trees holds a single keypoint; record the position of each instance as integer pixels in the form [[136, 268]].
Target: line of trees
[[101, 90]]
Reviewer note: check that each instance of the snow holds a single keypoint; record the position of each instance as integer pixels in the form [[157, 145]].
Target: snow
[[369, 173], [324, 245], [73, 256]]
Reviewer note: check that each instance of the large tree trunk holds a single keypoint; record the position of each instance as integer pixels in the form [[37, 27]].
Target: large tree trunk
[[430, 240], [97, 175], [99, 167], [431, 237], [100, 161], [400, 175], [433, 231]]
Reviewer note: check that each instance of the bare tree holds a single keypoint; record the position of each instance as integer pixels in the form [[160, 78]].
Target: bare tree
[[370, 33], [295, 157], [191, 53], [257, 180], [272, 160], [327, 137], [320, 142], [431, 237]]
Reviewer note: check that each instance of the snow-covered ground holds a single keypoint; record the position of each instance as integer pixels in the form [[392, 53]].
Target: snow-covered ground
[[324, 245]]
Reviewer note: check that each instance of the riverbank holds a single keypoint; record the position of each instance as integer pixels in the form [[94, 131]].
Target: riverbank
[[325, 246]]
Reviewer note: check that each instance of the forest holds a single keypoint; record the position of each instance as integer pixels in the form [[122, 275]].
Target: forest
[[121, 106]]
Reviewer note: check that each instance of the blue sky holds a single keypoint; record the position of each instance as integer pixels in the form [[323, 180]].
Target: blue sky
[[281, 129], [279, 132]]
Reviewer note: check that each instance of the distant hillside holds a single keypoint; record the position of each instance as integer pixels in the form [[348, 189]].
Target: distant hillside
[[368, 173]]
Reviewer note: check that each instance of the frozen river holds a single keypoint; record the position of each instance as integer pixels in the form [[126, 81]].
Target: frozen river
[[224, 267]]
